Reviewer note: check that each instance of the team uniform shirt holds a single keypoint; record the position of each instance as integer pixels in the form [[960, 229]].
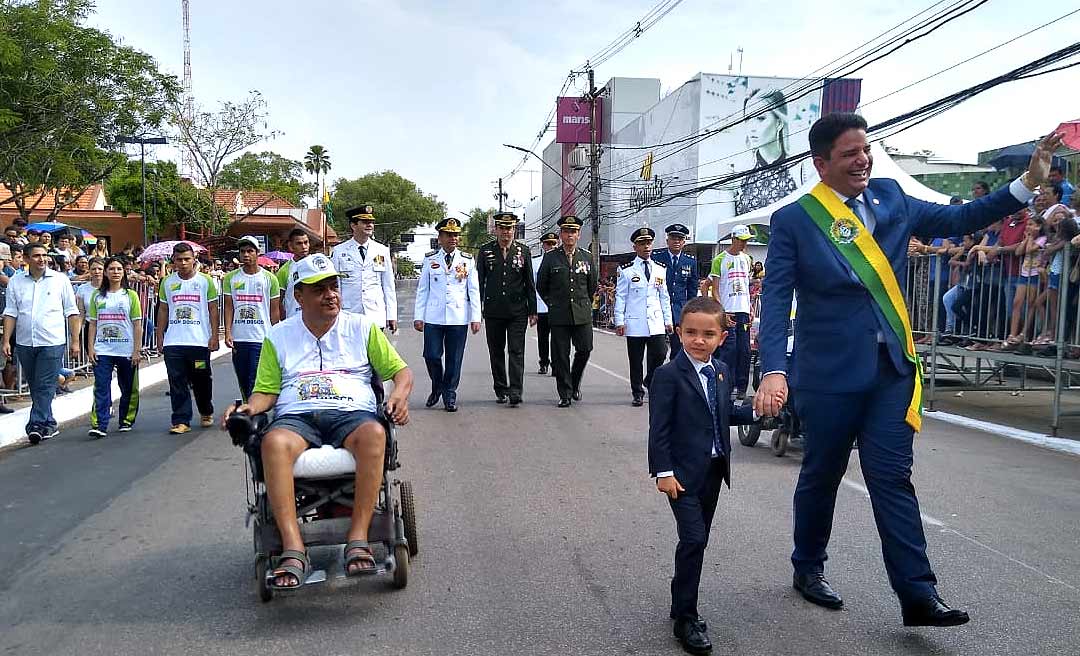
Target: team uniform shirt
[[289, 304], [733, 273], [114, 314], [40, 308], [251, 295], [329, 373], [82, 294], [541, 306], [366, 282], [189, 312]]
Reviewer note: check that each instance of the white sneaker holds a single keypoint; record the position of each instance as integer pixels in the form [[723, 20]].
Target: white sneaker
[[124, 428], [96, 432]]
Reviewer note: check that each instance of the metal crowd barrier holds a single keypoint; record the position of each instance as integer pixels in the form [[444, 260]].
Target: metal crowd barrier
[[963, 317]]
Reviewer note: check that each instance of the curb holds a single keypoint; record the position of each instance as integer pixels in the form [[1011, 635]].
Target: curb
[[77, 405]]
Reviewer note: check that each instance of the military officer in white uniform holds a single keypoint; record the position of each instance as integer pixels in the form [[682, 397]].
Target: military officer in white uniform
[[643, 312], [447, 306], [367, 274]]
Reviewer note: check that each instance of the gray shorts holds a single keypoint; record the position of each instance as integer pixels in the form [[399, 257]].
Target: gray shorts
[[324, 427]]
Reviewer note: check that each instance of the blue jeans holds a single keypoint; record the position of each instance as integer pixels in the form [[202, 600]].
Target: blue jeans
[[127, 376], [438, 338], [735, 351], [41, 365], [245, 360]]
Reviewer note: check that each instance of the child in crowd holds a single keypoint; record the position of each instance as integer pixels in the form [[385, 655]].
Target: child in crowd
[[957, 299], [1030, 251], [1062, 228]]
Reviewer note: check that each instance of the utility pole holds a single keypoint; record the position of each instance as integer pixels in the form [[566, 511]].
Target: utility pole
[[500, 195], [594, 174]]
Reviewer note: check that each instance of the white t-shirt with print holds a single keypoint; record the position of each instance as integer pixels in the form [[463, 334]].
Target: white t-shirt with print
[[82, 294], [189, 312], [114, 315], [733, 272], [251, 295]]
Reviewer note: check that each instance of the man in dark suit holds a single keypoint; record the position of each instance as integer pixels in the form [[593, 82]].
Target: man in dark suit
[[682, 275], [690, 412], [843, 249], [567, 281]]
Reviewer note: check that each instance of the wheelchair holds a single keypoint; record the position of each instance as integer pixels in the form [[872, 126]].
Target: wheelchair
[[785, 428], [324, 480]]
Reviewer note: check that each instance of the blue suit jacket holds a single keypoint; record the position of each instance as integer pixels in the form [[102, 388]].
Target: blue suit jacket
[[682, 283], [836, 347], [680, 424]]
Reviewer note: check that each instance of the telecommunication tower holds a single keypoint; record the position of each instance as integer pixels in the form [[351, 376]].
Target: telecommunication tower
[[189, 102]]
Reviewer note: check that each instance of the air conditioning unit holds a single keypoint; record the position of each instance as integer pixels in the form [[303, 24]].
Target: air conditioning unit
[[578, 159]]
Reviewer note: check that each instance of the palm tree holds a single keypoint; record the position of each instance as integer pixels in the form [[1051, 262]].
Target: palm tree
[[317, 161]]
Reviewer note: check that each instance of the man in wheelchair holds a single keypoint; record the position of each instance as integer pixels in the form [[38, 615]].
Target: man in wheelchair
[[315, 373]]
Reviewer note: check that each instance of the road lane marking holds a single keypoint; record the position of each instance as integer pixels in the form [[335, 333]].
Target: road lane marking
[[596, 366], [861, 489]]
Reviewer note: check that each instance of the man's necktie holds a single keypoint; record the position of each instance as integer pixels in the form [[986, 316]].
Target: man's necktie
[[856, 206], [449, 259], [646, 263], [710, 385], [675, 263], [363, 253]]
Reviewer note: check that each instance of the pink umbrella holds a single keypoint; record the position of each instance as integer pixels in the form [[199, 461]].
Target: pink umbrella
[[266, 262], [163, 250], [1070, 132]]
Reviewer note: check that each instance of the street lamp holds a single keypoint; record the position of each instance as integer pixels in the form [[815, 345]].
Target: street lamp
[[143, 141]]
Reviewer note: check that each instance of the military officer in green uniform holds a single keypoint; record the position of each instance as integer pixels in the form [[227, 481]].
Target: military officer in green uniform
[[566, 282], [508, 297]]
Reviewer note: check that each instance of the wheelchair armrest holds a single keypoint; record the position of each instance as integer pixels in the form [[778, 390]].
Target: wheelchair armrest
[[244, 428]]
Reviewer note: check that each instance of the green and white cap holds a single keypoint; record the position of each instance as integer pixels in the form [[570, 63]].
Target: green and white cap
[[312, 269]]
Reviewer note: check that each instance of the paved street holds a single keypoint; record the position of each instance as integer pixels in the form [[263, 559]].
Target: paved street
[[540, 533]]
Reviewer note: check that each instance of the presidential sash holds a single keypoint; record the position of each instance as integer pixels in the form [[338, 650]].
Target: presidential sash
[[849, 236]]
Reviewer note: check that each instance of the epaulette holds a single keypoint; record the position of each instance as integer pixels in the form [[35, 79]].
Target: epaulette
[[465, 255], [659, 264], [430, 253], [627, 265]]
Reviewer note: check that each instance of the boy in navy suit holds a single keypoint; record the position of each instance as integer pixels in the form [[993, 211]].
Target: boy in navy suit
[[690, 412]]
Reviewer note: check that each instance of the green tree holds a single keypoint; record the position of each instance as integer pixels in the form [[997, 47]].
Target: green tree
[[475, 233], [170, 200], [67, 91], [317, 162], [267, 171], [406, 268], [399, 204]]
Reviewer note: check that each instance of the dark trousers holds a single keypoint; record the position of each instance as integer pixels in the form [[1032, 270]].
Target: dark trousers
[[635, 351], [507, 336], [831, 422], [543, 338], [735, 351], [245, 361], [676, 343], [127, 377], [567, 377], [41, 366], [693, 519], [189, 366], [450, 340]]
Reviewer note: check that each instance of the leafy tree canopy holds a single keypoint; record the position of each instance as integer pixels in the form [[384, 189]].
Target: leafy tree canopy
[[169, 200], [475, 233], [267, 171], [398, 203]]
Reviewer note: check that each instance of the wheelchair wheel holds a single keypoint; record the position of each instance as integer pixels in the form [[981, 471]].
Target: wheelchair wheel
[[401, 566], [780, 441], [748, 435], [408, 516], [262, 564]]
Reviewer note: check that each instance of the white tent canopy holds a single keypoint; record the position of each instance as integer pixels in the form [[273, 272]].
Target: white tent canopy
[[884, 167]]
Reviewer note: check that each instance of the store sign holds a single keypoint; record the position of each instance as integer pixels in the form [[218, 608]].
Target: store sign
[[574, 118], [644, 195]]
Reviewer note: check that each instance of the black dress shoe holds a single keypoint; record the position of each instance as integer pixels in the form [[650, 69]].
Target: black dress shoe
[[543, 370], [432, 399], [638, 401], [500, 399], [701, 622], [692, 636], [515, 402], [815, 589], [576, 395], [564, 403], [932, 611]]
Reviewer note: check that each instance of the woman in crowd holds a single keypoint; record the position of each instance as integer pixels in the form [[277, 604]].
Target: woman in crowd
[[47, 241], [83, 292], [1027, 291], [82, 269], [115, 342], [101, 249], [1062, 228]]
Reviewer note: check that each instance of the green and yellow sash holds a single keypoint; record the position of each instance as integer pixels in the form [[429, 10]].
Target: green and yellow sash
[[846, 232]]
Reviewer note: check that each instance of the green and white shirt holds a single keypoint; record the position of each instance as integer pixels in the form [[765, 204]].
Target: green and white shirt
[[114, 315], [330, 373], [289, 306], [251, 295], [189, 311]]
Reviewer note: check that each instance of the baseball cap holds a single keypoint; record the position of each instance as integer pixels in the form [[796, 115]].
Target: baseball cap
[[312, 269], [249, 240], [742, 232]]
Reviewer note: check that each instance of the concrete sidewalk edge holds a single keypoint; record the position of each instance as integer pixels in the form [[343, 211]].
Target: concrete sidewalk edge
[[78, 404], [1061, 444]]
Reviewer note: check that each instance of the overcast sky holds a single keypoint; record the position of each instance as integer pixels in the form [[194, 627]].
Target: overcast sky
[[432, 90]]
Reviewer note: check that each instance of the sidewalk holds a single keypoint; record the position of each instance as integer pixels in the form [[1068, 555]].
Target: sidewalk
[[76, 406], [1029, 411]]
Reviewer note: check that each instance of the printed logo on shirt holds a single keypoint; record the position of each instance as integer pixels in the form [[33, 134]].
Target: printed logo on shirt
[[175, 287], [238, 284], [111, 334], [319, 388]]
